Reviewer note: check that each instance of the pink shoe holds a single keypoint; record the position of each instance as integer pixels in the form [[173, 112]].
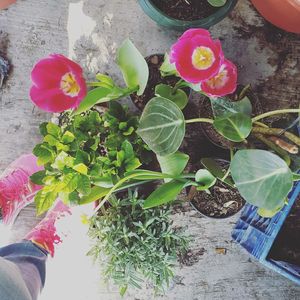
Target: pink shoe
[[16, 190], [44, 234]]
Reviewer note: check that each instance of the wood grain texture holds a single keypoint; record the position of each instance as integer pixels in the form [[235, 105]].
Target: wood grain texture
[[90, 31]]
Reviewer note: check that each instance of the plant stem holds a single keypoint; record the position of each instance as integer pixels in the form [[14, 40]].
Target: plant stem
[[277, 132], [261, 124], [276, 112], [272, 146], [199, 120]]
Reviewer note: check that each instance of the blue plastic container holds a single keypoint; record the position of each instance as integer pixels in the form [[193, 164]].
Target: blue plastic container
[[257, 235]]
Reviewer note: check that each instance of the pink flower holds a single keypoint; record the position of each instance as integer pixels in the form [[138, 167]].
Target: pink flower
[[196, 55], [57, 84], [223, 83]]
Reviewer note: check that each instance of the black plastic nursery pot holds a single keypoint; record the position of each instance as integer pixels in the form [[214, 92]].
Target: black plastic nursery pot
[[154, 62], [223, 201], [166, 21], [205, 111]]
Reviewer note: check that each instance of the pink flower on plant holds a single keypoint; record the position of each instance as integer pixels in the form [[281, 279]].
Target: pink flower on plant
[[196, 55], [57, 84], [223, 83]]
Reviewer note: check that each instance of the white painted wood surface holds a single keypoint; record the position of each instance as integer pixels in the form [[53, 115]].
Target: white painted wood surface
[[90, 32]]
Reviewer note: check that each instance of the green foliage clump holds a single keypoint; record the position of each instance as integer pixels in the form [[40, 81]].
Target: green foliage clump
[[136, 244], [91, 149]]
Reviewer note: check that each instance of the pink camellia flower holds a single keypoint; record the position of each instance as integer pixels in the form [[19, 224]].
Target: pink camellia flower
[[223, 83], [196, 55], [57, 84]]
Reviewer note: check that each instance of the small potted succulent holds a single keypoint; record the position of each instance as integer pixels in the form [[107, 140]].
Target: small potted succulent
[[183, 14]]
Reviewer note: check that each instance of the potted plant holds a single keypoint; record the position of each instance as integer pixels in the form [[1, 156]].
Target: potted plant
[[181, 15], [6, 3], [284, 14]]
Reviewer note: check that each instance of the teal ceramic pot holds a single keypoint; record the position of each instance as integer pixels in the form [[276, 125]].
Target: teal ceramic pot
[[165, 21]]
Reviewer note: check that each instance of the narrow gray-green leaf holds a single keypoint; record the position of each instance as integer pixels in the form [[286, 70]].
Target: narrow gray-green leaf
[[133, 66], [162, 126], [262, 178]]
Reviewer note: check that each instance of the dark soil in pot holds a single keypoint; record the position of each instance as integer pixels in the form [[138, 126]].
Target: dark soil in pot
[[286, 246], [186, 10], [206, 112], [154, 63], [222, 202]]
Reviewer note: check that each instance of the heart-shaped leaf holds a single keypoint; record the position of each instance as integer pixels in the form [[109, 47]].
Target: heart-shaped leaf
[[162, 126], [262, 178], [234, 127], [205, 179], [223, 106], [133, 66], [178, 96]]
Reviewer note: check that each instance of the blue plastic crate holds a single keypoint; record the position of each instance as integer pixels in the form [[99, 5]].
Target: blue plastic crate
[[257, 235]]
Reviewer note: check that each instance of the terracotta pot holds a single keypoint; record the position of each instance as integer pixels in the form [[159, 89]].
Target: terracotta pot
[[282, 13], [6, 3]]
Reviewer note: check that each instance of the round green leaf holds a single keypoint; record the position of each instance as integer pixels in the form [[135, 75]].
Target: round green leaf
[[162, 126], [217, 3], [262, 178], [179, 96], [234, 127]]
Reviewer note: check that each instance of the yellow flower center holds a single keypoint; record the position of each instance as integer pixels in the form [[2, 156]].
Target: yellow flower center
[[202, 58], [69, 85], [219, 80]]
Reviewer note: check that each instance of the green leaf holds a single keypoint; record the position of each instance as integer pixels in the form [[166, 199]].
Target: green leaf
[[53, 129], [205, 179], [51, 140], [223, 106], [43, 128], [212, 166], [162, 126], [37, 178], [60, 161], [178, 96], [217, 3], [71, 182], [262, 178], [44, 199], [141, 174], [133, 66], [265, 213], [105, 79], [68, 137], [84, 185], [132, 164], [96, 193], [81, 168], [234, 127], [173, 164], [103, 181], [43, 153], [165, 193], [296, 177], [168, 69], [82, 157], [95, 96]]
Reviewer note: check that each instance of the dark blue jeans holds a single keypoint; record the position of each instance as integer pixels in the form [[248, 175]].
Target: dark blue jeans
[[22, 271]]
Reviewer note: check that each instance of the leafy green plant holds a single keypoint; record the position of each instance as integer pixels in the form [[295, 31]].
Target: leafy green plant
[[217, 3], [88, 150], [134, 244], [162, 127]]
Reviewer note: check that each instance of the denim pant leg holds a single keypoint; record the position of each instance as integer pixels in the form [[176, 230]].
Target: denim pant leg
[[31, 266]]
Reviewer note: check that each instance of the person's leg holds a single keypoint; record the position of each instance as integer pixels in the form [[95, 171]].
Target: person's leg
[[24, 265]]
